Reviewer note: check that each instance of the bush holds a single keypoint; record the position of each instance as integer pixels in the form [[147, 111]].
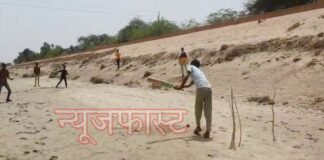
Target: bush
[[76, 77], [132, 84], [102, 67], [84, 62], [224, 47], [27, 75], [53, 74], [239, 50], [261, 100], [147, 74], [296, 25], [296, 59], [96, 80]]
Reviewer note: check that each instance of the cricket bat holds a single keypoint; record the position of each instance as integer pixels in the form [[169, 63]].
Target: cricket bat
[[159, 83]]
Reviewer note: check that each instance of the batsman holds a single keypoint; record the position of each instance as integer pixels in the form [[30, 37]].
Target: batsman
[[203, 95]]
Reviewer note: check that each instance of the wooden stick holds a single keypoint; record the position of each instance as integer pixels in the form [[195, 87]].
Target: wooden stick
[[238, 114], [232, 146], [273, 117]]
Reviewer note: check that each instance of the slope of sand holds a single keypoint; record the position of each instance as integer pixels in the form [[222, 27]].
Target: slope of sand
[[29, 129], [260, 59], [251, 32]]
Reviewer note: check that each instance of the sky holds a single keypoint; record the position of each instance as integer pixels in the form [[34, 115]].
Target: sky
[[29, 23]]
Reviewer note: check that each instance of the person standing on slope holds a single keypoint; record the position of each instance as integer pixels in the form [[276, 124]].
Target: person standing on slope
[[4, 75], [203, 96], [64, 73], [36, 74], [183, 61], [117, 58]]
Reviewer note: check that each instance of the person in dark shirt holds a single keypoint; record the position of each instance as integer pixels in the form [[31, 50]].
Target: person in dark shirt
[[64, 73], [36, 74], [4, 75]]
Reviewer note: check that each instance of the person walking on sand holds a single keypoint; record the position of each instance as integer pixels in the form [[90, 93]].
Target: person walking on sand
[[4, 75], [117, 58], [64, 73], [183, 61], [36, 74], [203, 96]]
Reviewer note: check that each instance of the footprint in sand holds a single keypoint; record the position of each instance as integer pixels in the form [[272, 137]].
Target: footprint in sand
[[14, 120], [283, 123], [259, 116], [211, 155], [298, 146], [310, 137], [36, 151], [24, 132], [43, 138], [27, 127], [40, 143], [23, 138], [291, 130], [54, 158], [222, 129]]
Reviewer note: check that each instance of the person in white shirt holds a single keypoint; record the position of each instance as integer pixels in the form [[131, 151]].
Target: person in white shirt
[[203, 96]]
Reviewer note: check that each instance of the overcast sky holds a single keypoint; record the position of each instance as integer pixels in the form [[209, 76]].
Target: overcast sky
[[29, 23]]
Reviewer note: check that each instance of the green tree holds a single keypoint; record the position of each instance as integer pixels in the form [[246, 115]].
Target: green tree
[[92, 41], [136, 29], [188, 24], [222, 15], [161, 27], [55, 51], [260, 6], [45, 49], [25, 56]]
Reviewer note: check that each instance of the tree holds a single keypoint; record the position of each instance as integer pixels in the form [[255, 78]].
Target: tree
[[260, 6], [136, 29], [188, 24], [55, 51], [25, 56], [45, 49], [161, 27], [92, 41], [222, 15]]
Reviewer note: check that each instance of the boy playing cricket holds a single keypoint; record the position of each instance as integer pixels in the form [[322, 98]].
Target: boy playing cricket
[[203, 96]]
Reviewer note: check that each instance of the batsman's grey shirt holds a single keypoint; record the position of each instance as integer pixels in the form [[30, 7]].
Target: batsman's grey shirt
[[198, 77]]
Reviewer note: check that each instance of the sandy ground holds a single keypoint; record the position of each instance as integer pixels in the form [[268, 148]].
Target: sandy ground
[[29, 129]]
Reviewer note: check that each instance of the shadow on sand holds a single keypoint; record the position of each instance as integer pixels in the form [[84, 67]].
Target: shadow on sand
[[186, 139]]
